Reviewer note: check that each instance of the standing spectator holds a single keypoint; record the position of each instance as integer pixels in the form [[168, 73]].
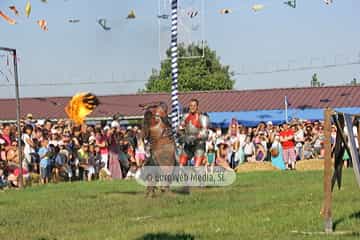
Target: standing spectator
[[29, 119], [249, 150], [83, 158], [64, 153], [355, 131], [319, 143], [5, 135], [218, 138], [77, 139], [308, 151], [92, 162], [140, 149], [44, 161], [114, 151], [260, 152], [277, 154], [29, 145], [242, 136], [287, 142], [234, 142], [48, 125], [55, 136], [299, 138], [12, 157], [101, 142]]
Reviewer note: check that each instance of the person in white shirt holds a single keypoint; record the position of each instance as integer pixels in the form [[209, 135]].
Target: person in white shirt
[[29, 145], [299, 141], [249, 149]]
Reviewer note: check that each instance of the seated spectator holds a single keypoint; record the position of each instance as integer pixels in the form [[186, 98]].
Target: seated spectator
[[319, 143], [260, 152], [222, 155], [308, 149]]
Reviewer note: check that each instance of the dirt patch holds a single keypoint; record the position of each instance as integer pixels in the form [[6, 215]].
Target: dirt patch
[[258, 166], [304, 165]]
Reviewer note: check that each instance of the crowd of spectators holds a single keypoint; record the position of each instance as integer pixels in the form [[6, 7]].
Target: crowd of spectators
[[60, 150], [282, 145]]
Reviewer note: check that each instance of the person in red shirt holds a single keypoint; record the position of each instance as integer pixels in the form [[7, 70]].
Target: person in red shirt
[[288, 145]]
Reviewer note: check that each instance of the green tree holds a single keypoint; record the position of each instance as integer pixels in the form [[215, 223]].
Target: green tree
[[195, 74]]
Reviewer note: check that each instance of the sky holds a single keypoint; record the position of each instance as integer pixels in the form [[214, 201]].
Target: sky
[[71, 58]]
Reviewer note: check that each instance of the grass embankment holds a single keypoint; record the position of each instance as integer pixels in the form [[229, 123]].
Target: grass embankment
[[259, 205]]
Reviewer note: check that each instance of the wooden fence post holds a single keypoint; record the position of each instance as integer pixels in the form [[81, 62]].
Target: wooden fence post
[[328, 224]]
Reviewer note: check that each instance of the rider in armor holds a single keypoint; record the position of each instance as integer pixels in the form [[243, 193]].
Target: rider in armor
[[193, 134]]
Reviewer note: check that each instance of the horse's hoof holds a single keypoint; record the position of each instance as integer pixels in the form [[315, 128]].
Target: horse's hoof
[[165, 189], [185, 190], [150, 192]]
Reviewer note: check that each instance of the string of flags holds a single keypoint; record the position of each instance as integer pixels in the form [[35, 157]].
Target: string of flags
[[102, 23], [15, 11], [7, 18], [192, 13], [291, 3]]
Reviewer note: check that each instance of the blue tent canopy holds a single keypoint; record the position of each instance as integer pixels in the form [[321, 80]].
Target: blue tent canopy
[[253, 118]]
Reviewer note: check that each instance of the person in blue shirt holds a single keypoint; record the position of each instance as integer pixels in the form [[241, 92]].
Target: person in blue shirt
[[44, 161]]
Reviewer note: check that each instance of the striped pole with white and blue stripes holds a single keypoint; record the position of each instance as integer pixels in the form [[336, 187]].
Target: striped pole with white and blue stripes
[[174, 67]]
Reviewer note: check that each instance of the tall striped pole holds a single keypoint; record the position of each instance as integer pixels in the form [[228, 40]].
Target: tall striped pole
[[174, 67]]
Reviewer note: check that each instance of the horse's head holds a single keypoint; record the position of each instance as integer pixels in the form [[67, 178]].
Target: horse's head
[[155, 116]]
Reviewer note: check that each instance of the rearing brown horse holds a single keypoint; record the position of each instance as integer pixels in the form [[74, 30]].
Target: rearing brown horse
[[157, 132]]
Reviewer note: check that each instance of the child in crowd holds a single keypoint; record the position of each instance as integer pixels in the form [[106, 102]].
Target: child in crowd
[[308, 149], [210, 156], [3, 181], [91, 162], [132, 171], [44, 161]]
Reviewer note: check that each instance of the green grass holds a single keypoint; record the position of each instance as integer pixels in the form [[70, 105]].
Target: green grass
[[259, 205]]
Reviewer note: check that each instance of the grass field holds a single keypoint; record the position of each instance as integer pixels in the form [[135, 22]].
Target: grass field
[[259, 205]]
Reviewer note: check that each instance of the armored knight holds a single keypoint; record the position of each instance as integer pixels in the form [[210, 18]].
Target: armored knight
[[194, 132]]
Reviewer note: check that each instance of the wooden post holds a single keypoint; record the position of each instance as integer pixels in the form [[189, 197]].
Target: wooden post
[[358, 133], [327, 173]]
